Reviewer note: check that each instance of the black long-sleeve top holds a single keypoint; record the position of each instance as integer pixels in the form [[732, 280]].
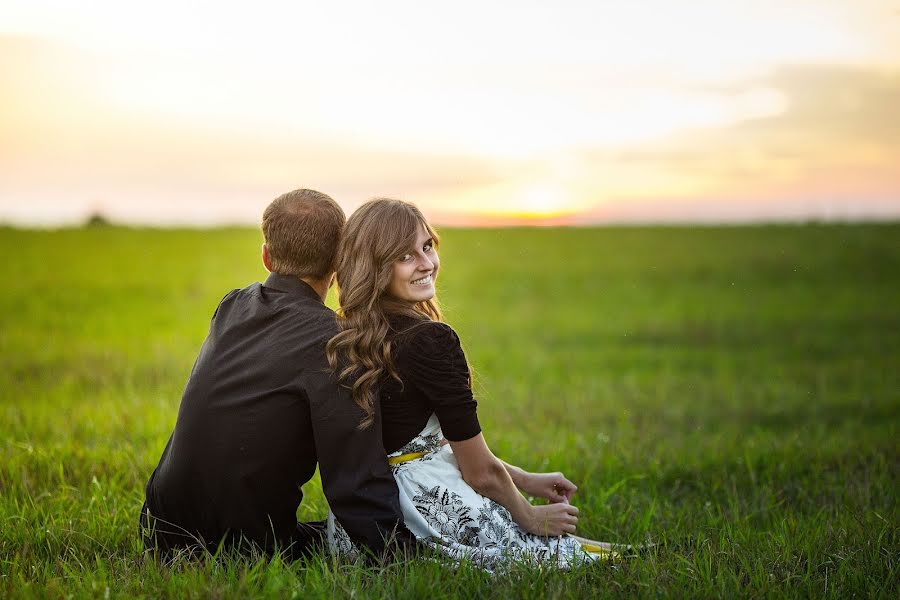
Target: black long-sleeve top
[[260, 408], [431, 363]]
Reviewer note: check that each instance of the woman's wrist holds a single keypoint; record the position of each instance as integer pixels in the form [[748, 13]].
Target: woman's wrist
[[503, 490], [530, 518], [519, 477], [524, 513]]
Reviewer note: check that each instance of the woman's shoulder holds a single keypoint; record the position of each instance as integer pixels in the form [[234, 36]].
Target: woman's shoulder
[[425, 334], [430, 352]]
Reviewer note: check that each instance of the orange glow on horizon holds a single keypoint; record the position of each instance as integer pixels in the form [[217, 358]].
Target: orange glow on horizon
[[778, 106]]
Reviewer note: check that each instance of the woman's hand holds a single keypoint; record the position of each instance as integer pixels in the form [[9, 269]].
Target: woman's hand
[[552, 486], [552, 519], [497, 480]]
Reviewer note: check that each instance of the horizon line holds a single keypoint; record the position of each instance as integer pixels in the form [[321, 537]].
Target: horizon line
[[509, 224], [732, 211]]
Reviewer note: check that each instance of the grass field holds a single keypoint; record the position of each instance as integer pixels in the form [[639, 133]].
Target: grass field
[[732, 394]]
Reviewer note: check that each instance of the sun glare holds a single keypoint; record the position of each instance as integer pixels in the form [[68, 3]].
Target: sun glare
[[542, 200]]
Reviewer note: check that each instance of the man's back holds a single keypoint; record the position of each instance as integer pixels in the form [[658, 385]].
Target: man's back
[[259, 401]]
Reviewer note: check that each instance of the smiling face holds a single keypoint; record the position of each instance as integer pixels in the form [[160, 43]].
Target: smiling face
[[414, 274]]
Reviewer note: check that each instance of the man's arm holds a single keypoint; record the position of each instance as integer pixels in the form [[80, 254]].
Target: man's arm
[[356, 478]]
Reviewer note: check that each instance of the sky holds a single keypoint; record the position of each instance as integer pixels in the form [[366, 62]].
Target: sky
[[482, 113]]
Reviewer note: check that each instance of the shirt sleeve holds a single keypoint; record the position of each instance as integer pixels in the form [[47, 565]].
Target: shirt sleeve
[[436, 365], [356, 478]]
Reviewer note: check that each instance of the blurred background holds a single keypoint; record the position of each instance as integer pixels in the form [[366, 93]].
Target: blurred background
[[492, 113]]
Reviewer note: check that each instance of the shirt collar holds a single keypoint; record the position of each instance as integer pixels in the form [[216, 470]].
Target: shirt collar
[[291, 284]]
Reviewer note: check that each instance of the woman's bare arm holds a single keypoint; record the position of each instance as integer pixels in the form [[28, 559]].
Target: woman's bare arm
[[552, 486], [489, 477]]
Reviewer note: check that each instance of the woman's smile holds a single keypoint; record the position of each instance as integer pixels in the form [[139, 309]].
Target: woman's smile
[[415, 272]]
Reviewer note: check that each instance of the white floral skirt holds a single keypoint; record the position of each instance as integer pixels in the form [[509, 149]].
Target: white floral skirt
[[443, 511]]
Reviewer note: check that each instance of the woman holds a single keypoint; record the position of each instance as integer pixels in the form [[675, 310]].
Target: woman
[[394, 349]]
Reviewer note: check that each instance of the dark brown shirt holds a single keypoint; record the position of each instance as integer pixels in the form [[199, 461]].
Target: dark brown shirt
[[260, 408]]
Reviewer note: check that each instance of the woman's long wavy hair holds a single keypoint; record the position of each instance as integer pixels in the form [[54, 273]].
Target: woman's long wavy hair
[[378, 234]]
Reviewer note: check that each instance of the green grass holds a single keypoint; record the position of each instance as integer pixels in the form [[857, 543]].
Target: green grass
[[732, 394]]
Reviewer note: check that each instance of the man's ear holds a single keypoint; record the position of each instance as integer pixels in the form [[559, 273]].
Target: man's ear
[[266, 258]]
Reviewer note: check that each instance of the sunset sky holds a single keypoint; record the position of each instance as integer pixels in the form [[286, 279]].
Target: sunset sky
[[481, 112]]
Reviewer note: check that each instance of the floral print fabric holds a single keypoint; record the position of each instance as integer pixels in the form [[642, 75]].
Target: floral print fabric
[[440, 508]]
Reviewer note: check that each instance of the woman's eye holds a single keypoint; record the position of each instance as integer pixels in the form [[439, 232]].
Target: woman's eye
[[406, 257], [427, 247]]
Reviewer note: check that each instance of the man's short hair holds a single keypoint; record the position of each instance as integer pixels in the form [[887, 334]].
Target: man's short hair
[[302, 230]]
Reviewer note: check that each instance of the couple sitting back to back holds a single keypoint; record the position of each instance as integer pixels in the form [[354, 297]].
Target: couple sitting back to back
[[378, 396]]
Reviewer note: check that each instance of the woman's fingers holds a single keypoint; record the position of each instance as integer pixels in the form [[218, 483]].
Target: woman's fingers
[[562, 528], [557, 519], [555, 496], [563, 485], [567, 520]]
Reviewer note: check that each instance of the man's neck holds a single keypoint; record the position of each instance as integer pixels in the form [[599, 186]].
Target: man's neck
[[320, 286]]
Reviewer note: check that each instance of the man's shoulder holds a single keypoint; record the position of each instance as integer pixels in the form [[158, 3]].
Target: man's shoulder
[[235, 295], [299, 315], [311, 310], [282, 301]]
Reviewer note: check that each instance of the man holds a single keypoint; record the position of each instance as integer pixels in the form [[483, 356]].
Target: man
[[261, 407]]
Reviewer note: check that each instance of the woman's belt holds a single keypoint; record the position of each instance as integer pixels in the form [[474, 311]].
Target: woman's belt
[[402, 458]]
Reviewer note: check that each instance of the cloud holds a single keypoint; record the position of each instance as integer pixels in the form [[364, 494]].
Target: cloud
[[843, 102], [839, 138]]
